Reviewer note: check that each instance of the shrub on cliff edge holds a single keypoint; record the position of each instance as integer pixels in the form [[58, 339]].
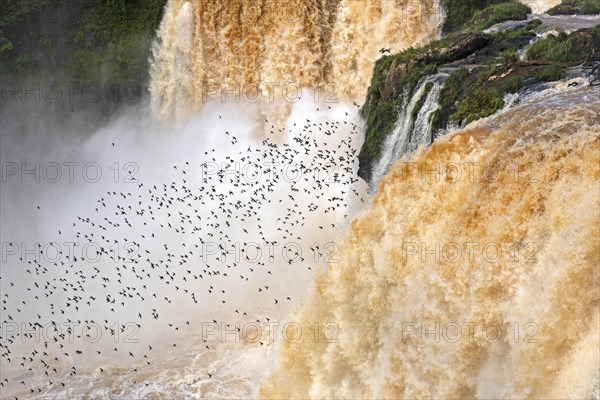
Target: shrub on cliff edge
[[507, 11], [576, 7]]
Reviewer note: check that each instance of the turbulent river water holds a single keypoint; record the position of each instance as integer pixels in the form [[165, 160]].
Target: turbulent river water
[[470, 273], [474, 273]]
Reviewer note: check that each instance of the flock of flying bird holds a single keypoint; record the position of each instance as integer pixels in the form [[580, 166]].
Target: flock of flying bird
[[168, 229]]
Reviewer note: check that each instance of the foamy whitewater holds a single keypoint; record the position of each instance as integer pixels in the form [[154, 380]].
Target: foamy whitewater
[[472, 272], [217, 49], [192, 347]]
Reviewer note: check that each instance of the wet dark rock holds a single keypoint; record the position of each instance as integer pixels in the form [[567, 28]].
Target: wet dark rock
[[486, 67]]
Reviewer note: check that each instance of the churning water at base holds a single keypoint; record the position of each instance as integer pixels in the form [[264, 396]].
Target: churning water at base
[[474, 274], [215, 182]]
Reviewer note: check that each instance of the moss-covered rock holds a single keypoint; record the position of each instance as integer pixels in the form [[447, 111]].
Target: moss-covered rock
[[449, 96], [553, 48], [550, 73], [566, 48], [512, 84], [584, 42], [459, 12], [576, 7], [395, 78], [526, 29], [509, 10], [454, 47], [478, 103], [482, 68]]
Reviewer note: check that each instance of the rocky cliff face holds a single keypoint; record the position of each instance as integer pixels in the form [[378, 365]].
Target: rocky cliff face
[[479, 72]]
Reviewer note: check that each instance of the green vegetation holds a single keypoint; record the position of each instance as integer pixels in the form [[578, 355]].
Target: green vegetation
[[566, 48], [459, 12], [494, 69], [381, 111], [550, 74], [433, 50], [449, 96], [412, 79], [104, 41], [481, 14], [451, 89], [467, 97], [402, 73], [509, 56], [576, 7], [120, 33], [84, 66], [508, 10], [478, 103], [380, 122], [512, 84], [527, 30], [553, 48], [14, 13]]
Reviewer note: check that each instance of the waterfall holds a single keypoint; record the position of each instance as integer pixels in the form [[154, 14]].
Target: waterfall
[[245, 47], [413, 129], [422, 310]]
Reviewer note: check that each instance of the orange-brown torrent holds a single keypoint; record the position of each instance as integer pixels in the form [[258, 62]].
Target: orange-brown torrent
[[213, 48], [538, 286]]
